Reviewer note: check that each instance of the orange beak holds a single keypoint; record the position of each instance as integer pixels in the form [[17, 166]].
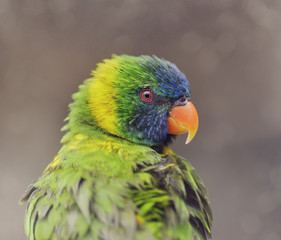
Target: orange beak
[[183, 119]]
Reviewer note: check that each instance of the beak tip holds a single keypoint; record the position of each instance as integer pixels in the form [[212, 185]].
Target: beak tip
[[191, 134], [188, 139]]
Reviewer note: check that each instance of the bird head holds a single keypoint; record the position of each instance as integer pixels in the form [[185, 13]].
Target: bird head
[[144, 99]]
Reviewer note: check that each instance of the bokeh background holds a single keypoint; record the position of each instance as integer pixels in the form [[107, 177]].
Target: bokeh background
[[230, 51]]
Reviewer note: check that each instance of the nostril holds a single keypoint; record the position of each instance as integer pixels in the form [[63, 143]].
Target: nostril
[[183, 100]]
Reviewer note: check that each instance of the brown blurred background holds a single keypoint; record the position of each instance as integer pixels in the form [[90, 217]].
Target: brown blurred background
[[230, 51]]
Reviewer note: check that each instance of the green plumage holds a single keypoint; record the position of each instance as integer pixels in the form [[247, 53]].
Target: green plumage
[[101, 186]]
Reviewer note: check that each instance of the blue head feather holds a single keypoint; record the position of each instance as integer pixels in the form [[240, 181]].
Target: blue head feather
[[141, 122]]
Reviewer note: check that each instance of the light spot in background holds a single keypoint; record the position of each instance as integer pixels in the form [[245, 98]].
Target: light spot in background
[[4, 6], [219, 132], [270, 110], [123, 44], [61, 6], [15, 79], [222, 3], [169, 22], [260, 170], [16, 123], [7, 21], [270, 106], [207, 60], [225, 43], [271, 236], [266, 202], [251, 223], [264, 14], [228, 19], [191, 42], [277, 195], [275, 176], [233, 193], [66, 20], [36, 83], [11, 191], [124, 13], [13, 181], [33, 7], [221, 135], [217, 103]]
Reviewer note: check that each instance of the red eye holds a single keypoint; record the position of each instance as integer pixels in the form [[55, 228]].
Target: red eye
[[147, 96]]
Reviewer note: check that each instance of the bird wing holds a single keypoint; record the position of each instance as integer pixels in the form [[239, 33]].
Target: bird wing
[[188, 204]]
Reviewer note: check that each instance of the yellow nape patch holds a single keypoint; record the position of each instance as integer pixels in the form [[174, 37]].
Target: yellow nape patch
[[167, 151], [102, 94]]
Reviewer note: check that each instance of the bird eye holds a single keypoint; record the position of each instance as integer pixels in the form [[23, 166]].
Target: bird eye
[[147, 96]]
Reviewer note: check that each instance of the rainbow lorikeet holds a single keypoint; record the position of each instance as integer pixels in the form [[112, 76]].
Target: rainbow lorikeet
[[114, 176]]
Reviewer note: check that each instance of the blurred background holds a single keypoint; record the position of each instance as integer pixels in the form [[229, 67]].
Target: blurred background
[[230, 50]]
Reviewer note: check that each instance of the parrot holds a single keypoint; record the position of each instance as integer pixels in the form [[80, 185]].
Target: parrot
[[115, 177]]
